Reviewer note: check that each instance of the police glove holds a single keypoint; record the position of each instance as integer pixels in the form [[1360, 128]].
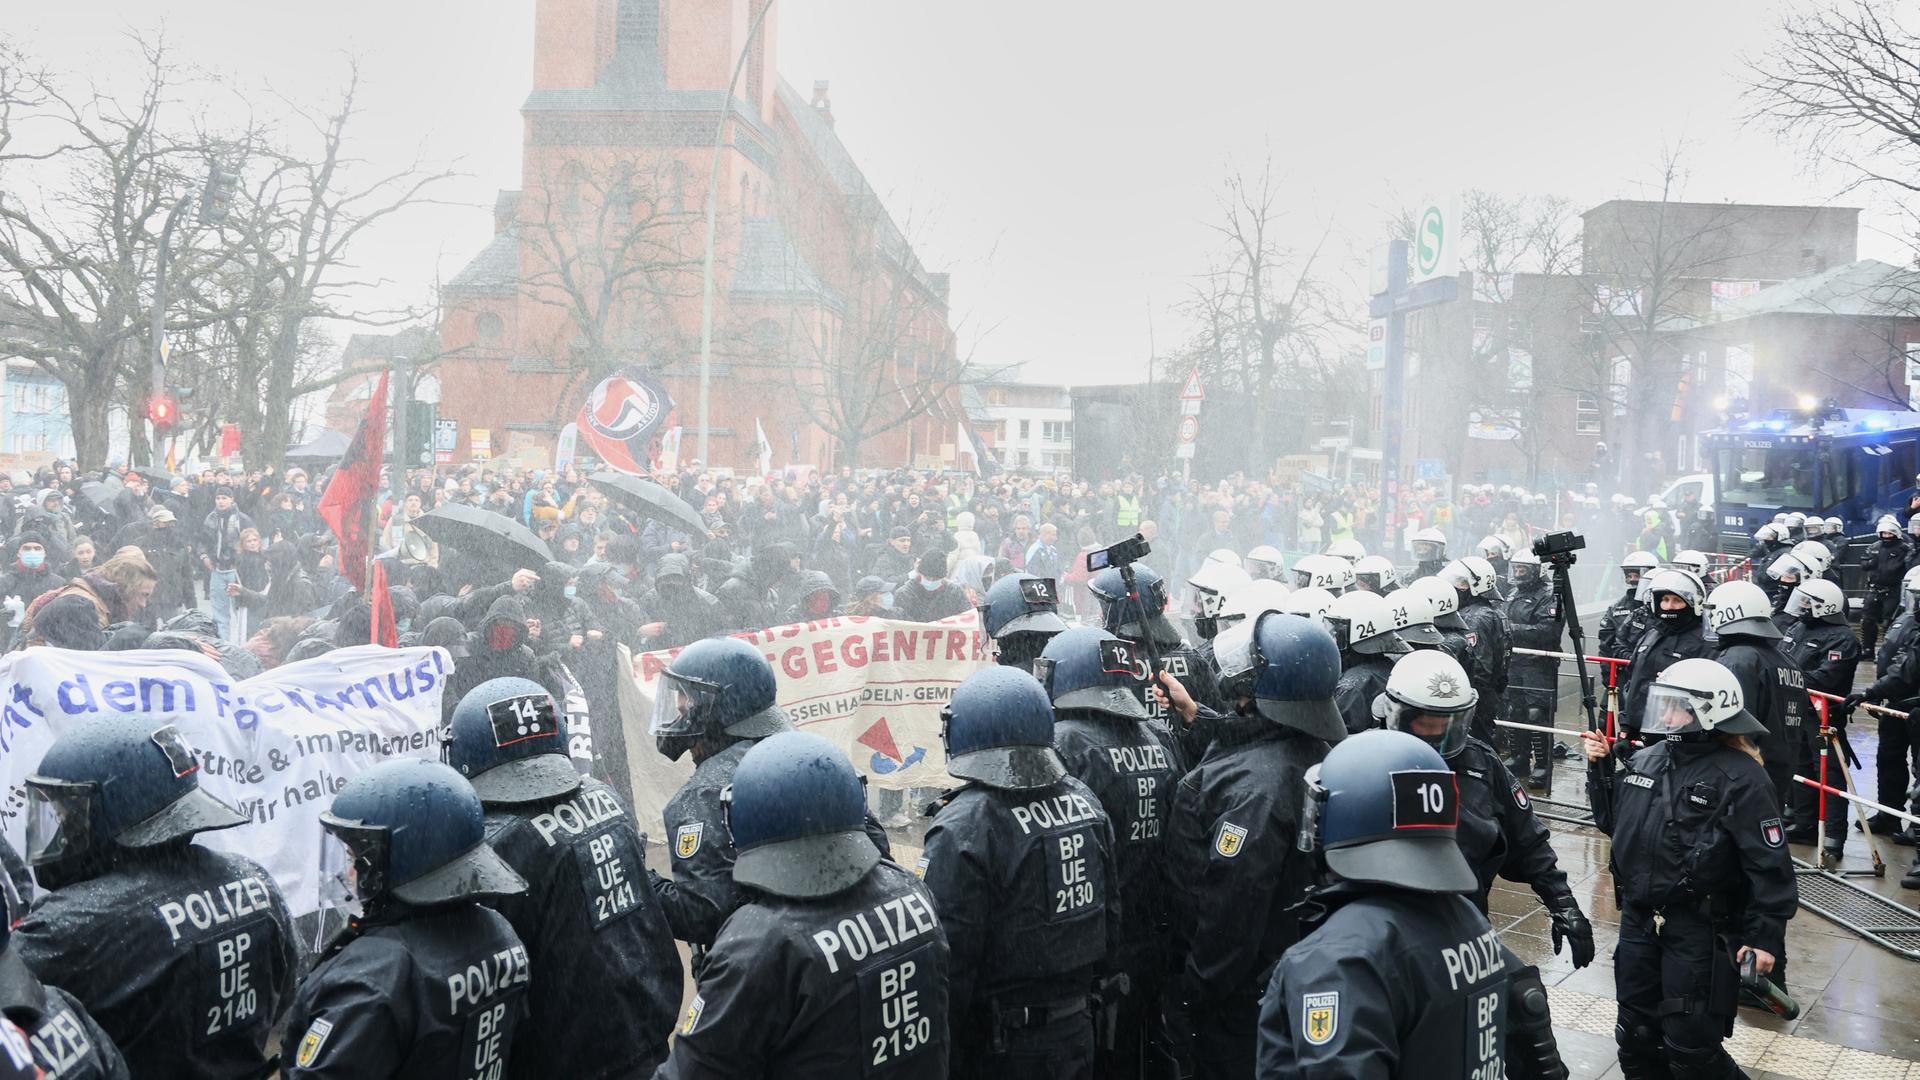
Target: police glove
[[1853, 702], [1570, 925]]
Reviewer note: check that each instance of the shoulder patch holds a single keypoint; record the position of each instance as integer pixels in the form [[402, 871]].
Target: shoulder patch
[[1520, 796], [694, 1009], [1230, 839], [1773, 833], [1319, 1017], [920, 868], [687, 841], [312, 1041], [1473, 637], [1833, 654]]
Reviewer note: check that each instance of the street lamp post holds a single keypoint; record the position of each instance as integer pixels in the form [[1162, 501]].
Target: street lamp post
[[713, 213]]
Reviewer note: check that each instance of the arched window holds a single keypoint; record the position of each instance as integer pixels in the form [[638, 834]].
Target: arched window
[[573, 180], [489, 328]]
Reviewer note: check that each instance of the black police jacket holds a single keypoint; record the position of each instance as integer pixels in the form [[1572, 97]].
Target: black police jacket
[[65, 1041], [853, 984], [701, 894], [1024, 883], [606, 975], [182, 954], [1498, 832], [1131, 768], [1488, 638], [1620, 629], [1896, 637], [1536, 622], [1774, 689], [1360, 682], [1882, 565], [1232, 860], [1391, 983], [1659, 648], [1827, 652], [1899, 681], [1699, 822], [439, 992]]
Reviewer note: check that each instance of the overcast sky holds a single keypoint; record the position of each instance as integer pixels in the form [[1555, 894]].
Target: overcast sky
[[1060, 156]]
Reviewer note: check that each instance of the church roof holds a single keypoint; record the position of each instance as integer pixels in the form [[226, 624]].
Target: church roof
[[771, 266], [493, 272]]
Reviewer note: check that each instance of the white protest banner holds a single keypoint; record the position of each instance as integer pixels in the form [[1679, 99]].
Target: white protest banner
[[873, 687], [277, 747]]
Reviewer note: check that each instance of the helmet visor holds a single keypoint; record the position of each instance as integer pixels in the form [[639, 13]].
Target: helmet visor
[[1261, 569], [1444, 731], [1233, 652], [1427, 551], [353, 863], [59, 824], [1670, 711], [679, 703], [1786, 566], [1799, 603]]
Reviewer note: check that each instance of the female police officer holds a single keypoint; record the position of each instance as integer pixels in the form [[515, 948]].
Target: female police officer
[[1700, 864]]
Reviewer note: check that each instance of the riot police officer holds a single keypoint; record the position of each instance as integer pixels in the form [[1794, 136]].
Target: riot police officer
[[1106, 741], [1265, 563], [1627, 618], [1375, 574], [1329, 572], [1231, 857], [1209, 586], [1428, 696], [1701, 867], [1821, 644], [1308, 603], [1350, 550], [1429, 553], [182, 954], [1444, 600], [1142, 620], [1020, 863], [1676, 599], [60, 1036], [1412, 613], [1499, 554], [1896, 732], [1401, 976], [606, 975], [1883, 565], [1362, 625], [835, 964], [1536, 622], [714, 700], [1020, 613], [424, 980], [1772, 685], [1487, 639]]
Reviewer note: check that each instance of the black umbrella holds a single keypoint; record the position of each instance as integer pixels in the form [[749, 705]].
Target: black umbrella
[[160, 477], [101, 493], [650, 500], [483, 534]]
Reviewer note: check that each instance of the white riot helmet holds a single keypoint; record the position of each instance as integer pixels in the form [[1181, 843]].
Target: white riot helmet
[[1350, 550], [1836, 527], [1309, 603], [1818, 599], [1796, 525], [1780, 518], [1696, 561], [1373, 572], [1265, 563], [1813, 555], [1329, 572], [1445, 600], [1698, 695], [1814, 528], [1470, 574], [1428, 686], [1250, 601], [1493, 546], [1913, 525], [1412, 611], [1224, 555], [1911, 586], [1429, 545], [1211, 584], [1524, 567], [1637, 565], [1767, 534], [1741, 607], [1362, 622], [1674, 583]]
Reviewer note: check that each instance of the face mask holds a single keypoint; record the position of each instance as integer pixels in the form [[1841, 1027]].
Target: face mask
[[570, 592], [32, 559], [886, 601], [931, 584], [403, 625], [502, 638]]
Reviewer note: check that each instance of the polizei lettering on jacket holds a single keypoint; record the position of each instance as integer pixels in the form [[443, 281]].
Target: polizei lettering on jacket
[[1052, 813], [502, 971], [217, 906], [1134, 759], [1473, 960], [576, 815], [870, 932]]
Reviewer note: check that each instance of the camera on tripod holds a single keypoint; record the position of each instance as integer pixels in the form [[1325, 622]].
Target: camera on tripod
[[1125, 553], [1558, 548]]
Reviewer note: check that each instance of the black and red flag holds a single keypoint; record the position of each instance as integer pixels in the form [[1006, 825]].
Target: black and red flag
[[347, 505]]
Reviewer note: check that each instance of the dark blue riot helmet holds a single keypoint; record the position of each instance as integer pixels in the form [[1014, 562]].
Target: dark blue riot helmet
[[413, 831], [113, 784], [1383, 807], [998, 730], [796, 812], [1125, 614], [507, 740], [1296, 665], [715, 686], [1020, 612], [1087, 669]]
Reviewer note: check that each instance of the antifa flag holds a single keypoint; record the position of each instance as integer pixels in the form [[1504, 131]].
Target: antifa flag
[[385, 630], [349, 495], [623, 417]]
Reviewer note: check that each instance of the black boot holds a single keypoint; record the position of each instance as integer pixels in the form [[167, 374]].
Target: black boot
[[1912, 880]]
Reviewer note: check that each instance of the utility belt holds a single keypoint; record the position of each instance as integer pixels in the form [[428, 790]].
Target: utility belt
[[1006, 1019]]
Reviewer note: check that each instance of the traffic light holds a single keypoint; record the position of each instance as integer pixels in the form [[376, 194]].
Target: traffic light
[[216, 199], [163, 413]]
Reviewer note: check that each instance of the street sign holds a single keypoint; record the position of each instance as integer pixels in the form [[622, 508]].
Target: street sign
[[1189, 428], [1435, 246], [1193, 391], [1189, 408], [1184, 450], [1377, 345]]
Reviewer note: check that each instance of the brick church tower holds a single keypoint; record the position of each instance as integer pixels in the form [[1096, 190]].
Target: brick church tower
[[596, 262]]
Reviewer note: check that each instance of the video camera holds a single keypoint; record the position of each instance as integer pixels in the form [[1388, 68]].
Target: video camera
[[1125, 553], [1558, 548]]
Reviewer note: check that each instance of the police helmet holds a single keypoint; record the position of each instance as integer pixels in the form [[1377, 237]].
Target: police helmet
[[1329, 572], [1767, 534], [1362, 622], [1264, 562], [715, 686], [118, 781], [1741, 607], [1089, 669], [1694, 561], [1698, 695], [1815, 528], [1384, 808], [1445, 600], [1429, 545], [1121, 611], [1351, 550], [1226, 556], [1524, 567], [1211, 584], [1913, 525], [1296, 665], [506, 739], [413, 830], [1470, 574], [1795, 520], [1020, 612], [998, 730], [1493, 546], [1836, 527], [1780, 518], [1412, 612], [796, 813], [1820, 599], [1425, 687], [1374, 573], [1814, 555], [1252, 600], [1672, 582], [1308, 603], [1911, 586]]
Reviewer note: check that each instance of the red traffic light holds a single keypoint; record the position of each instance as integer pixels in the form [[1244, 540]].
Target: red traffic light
[[163, 412]]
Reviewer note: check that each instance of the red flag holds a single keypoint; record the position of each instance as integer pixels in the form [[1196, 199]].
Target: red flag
[[229, 440], [348, 500], [385, 632]]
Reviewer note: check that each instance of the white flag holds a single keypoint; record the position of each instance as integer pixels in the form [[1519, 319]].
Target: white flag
[[670, 450], [764, 447], [964, 445]]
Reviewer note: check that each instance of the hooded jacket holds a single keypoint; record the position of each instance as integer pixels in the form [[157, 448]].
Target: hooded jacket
[[498, 649]]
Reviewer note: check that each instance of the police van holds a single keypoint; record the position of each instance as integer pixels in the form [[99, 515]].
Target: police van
[[1853, 464]]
